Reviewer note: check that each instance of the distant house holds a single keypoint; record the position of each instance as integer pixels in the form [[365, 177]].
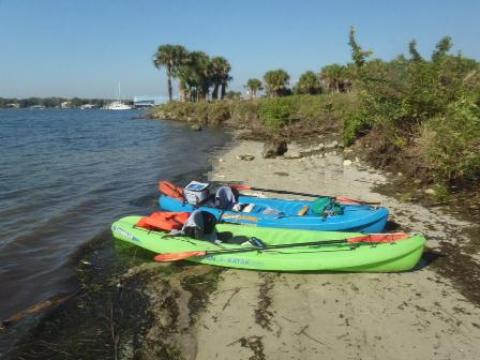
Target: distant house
[[66, 105], [13, 105], [147, 101], [144, 103]]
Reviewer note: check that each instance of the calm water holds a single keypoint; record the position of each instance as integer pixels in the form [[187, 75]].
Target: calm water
[[65, 175]]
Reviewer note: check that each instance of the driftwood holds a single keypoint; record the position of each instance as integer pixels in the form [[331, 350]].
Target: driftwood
[[36, 309]]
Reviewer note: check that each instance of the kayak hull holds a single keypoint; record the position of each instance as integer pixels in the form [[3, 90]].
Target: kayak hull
[[400, 255], [355, 218]]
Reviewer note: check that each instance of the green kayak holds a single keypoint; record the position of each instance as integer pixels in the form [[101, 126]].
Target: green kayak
[[399, 255]]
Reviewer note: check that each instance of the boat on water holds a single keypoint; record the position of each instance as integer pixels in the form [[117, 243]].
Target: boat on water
[[285, 250], [118, 104], [324, 213], [87, 106]]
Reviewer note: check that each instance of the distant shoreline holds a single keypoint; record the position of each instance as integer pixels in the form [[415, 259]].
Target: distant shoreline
[[55, 102]]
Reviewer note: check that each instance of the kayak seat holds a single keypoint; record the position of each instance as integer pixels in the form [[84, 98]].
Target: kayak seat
[[227, 237]]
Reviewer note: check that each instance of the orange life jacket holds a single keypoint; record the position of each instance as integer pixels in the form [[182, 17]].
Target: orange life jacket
[[171, 190], [164, 220]]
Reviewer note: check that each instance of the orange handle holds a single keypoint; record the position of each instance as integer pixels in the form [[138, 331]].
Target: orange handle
[[303, 211]]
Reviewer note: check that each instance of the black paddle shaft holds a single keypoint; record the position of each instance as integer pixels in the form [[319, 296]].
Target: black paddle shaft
[[284, 246], [306, 194], [288, 192]]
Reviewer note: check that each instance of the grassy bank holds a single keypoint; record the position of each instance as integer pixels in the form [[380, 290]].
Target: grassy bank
[[292, 117]]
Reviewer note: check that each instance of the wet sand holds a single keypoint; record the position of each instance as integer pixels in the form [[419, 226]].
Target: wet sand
[[416, 315]]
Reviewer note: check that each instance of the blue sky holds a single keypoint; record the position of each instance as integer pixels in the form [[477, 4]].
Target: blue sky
[[83, 48]]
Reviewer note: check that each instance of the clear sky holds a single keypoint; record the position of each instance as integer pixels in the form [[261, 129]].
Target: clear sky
[[84, 47]]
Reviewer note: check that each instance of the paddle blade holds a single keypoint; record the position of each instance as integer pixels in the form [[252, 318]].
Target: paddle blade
[[178, 256], [240, 187], [169, 189], [378, 238]]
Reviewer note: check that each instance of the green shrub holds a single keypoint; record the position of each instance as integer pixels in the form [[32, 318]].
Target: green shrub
[[355, 123], [184, 111], [218, 112], [277, 112], [200, 112], [313, 107], [451, 143], [264, 115], [407, 93], [244, 112]]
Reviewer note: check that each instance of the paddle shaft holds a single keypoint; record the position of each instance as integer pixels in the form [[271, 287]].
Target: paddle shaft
[[248, 187], [282, 246], [287, 192], [239, 186], [353, 242]]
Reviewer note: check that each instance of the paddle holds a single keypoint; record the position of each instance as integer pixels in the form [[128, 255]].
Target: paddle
[[365, 239], [342, 199]]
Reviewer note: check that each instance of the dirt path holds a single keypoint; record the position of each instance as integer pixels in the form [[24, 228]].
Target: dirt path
[[416, 315]]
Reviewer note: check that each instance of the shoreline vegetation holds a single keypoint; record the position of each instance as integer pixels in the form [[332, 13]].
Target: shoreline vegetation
[[413, 115]]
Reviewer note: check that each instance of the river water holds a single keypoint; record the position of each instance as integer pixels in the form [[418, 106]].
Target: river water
[[65, 175]]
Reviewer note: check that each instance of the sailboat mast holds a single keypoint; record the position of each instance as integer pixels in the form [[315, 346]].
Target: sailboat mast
[[119, 96]]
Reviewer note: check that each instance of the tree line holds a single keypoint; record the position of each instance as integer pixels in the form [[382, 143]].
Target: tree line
[[198, 73], [50, 102], [201, 77], [333, 78]]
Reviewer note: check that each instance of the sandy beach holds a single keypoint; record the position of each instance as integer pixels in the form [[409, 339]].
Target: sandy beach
[[416, 315], [182, 310]]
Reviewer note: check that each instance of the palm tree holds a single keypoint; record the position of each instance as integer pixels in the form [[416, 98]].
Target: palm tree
[[220, 76], [254, 85], [336, 78], [309, 83], [202, 72], [195, 75], [219, 65], [186, 83], [276, 82], [225, 77], [170, 57]]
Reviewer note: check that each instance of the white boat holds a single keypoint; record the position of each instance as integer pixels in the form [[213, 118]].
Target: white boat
[[87, 106], [118, 105]]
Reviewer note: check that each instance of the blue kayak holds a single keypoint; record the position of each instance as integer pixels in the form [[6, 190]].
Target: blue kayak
[[281, 213]]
